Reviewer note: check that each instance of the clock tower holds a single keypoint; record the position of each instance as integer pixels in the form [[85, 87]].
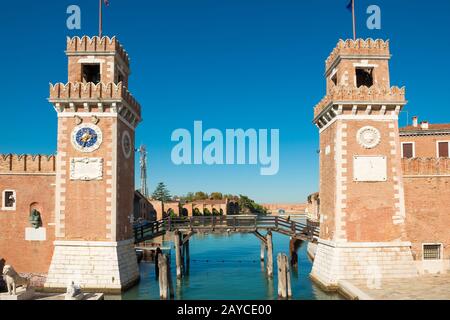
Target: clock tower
[[97, 118], [362, 205]]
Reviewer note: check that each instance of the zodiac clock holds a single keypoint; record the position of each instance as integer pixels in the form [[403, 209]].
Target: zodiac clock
[[86, 137]]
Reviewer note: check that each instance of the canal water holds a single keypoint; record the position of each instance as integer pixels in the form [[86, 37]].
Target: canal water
[[227, 267]]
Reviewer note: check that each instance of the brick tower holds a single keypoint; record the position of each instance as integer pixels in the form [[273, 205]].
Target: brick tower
[[97, 118], [361, 187]]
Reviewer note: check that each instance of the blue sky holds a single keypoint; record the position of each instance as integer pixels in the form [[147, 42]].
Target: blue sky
[[229, 63]]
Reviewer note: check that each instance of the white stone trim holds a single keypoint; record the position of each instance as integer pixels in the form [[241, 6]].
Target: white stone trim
[[344, 244], [28, 174], [437, 147], [375, 117], [114, 183], [93, 243], [86, 114]]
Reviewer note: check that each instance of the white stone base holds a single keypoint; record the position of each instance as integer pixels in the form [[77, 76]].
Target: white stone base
[[95, 266], [369, 261], [22, 294]]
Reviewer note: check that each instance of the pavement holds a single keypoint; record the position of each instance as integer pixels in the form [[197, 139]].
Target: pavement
[[424, 287]]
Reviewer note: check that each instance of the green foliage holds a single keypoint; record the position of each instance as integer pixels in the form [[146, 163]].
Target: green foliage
[[206, 212], [221, 212], [161, 193], [171, 213], [247, 205], [215, 212], [216, 196], [197, 212], [200, 195]]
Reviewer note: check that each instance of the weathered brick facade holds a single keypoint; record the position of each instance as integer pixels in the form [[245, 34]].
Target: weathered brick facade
[[32, 178], [86, 194]]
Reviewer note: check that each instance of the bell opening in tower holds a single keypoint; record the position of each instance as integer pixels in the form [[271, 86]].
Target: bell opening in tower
[[364, 77], [91, 73]]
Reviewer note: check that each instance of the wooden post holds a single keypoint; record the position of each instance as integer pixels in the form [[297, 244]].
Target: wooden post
[[284, 277], [169, 279], [288, 277], [281, 276], [263, 249], [269, 254], [163, 276], [178, 254], [188, 257]]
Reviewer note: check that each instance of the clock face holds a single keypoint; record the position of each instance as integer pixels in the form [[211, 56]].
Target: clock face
[[126, 144], [86, 137]]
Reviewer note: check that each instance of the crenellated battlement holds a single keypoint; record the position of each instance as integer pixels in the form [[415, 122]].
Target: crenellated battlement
[[349, 95], [359, 47], [96, 45], [13, 163], [426, 166], [84, 92]]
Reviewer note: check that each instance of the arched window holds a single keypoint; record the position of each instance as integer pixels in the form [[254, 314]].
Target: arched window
[[9, 200]]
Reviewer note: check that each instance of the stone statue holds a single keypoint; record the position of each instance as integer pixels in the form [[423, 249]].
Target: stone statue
[[35, 219], [14, 280], [73, 292], [2, 281]]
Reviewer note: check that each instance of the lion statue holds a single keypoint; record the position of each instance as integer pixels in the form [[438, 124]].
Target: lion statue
[[14, 280]]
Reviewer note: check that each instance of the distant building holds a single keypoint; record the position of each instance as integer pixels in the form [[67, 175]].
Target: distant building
[[286, 208], [143, 208]]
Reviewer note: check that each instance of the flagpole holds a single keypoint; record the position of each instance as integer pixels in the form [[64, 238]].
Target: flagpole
[[100, 23], [354, 20]]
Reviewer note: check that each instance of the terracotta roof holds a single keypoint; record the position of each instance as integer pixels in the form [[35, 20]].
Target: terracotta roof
[[431, 127]]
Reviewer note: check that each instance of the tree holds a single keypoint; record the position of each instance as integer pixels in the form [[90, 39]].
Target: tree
[[206, 212], [247, 205], [201, 196], [171, 213], [215, 213], [197, 212], [216, 196], [161, 193]]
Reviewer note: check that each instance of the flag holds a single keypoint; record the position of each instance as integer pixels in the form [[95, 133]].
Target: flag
[[350, 5], [106, 2]]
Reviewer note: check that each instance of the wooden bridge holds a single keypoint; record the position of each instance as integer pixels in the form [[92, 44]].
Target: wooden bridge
[[305, 231], [183, 228]]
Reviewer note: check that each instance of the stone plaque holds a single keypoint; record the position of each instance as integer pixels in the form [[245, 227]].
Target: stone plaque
[[369, 168], [86, 169], [32, 234]]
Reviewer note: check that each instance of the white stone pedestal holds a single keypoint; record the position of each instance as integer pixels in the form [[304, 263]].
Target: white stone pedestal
[[96, 266], [368, 261], [22, 294]]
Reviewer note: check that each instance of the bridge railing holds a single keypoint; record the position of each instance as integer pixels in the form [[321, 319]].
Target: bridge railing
[[247, 223]]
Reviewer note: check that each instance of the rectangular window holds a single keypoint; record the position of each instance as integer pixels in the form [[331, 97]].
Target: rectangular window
[[408, 150], [443, 149], [9, 200], [432, 251], [91, 73], [364, 77]]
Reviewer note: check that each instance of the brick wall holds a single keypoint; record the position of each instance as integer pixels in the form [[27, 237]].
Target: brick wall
[[427, 199], [425, 146], [32, 191]]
